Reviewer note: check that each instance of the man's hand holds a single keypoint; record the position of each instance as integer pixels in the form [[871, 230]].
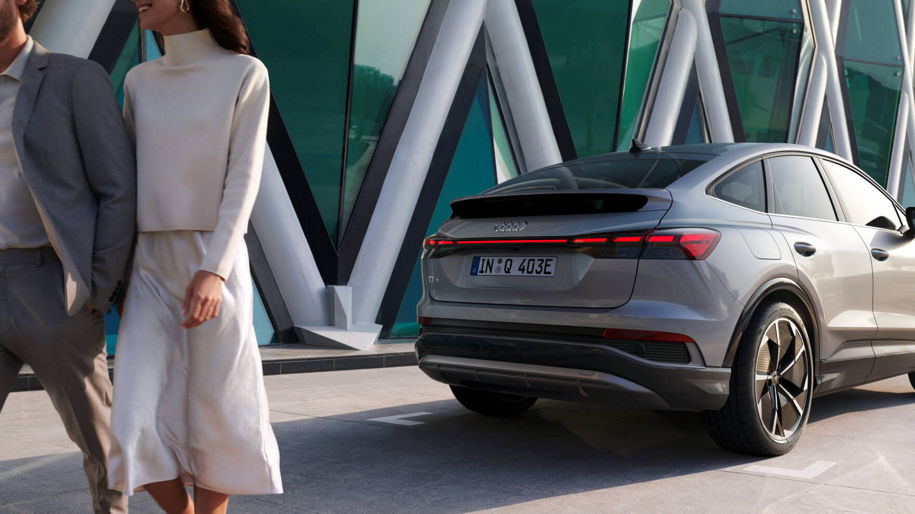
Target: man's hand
[[202, 299]]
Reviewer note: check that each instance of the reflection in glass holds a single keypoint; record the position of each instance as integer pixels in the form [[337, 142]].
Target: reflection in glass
[[784, 9], [698, 131], [306, 47], [585, 41], [263, 327], [873, 93], [471, 171], [506, 167], [645, 35], [763, 59], [386, 31], [908, 188], [871, 33]]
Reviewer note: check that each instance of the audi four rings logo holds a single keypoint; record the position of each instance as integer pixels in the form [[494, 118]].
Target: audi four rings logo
[[510, 226]]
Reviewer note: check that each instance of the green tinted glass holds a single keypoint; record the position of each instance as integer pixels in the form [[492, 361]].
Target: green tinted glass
[[506, 167], [873, 93], [385, 33], [585, 41], [908, 189], [263, 327], [697, 132], [763, 56], [784, 9], [471, 171], [306, 46], [645, 35], [871, 33], [130, 57]]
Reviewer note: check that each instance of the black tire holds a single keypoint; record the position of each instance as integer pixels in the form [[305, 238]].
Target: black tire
[[750, 421], [912, 379], [492, 404]]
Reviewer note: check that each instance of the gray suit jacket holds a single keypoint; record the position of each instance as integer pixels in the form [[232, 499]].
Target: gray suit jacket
[[78, 161]]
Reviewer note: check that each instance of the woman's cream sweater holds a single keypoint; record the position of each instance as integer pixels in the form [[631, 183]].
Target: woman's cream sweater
[[199, 114]]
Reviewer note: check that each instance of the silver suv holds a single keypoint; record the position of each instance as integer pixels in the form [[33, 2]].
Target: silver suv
[[740, 280]]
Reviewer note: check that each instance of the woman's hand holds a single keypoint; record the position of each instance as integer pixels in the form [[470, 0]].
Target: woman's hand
[[202, 299]]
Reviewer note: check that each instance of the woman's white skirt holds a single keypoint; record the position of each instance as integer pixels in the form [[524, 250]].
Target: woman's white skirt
[[189, 403]]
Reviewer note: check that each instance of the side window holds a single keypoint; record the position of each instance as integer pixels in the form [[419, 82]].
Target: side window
[[864, 203], [745, 187], [798, 189]]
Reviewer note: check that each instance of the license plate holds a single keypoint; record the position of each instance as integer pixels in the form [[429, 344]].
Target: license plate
[[513, 266]]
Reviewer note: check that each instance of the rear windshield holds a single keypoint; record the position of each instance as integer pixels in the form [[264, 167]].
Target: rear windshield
[[613, 171]]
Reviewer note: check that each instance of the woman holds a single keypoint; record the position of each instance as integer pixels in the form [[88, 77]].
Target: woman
[[189, 403]]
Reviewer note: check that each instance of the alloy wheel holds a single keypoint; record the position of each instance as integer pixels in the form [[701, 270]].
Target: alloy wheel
[[782, 379]]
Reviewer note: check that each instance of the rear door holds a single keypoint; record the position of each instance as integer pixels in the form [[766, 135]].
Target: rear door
[[833, 265], [876, 219]]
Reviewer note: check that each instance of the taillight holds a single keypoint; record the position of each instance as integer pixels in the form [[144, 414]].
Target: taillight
[[436, 242], [680, 243]]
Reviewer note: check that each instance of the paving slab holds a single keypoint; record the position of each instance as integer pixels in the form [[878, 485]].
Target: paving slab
[[392, 440]]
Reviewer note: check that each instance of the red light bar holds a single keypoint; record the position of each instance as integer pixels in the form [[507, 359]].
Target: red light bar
[[591, 240], [660, 239], [628, 239]]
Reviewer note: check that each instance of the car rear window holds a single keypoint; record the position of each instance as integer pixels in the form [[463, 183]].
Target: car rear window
[[614, 171]]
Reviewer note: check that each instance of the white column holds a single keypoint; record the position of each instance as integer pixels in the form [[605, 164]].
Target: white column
[[905, 108], [522, 88], [71, 26], [287, 251], [716, 106], [672, 86], [410, 164], [826, 52]]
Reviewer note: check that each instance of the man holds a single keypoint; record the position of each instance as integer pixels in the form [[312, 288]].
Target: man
[[67, 217]]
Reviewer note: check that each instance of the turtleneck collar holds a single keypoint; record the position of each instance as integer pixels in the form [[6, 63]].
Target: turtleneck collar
[[190, 47]]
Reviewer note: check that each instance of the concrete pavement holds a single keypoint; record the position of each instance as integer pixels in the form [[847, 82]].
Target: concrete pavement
[[391, 440]]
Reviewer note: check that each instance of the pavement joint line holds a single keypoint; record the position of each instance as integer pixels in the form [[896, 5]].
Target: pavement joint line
[[401, 420], [810, 472]]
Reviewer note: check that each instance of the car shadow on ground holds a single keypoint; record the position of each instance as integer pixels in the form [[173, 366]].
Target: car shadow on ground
[[858, 400]]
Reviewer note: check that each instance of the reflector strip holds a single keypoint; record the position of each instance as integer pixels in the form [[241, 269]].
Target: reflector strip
[[513, 241], [645, 335]]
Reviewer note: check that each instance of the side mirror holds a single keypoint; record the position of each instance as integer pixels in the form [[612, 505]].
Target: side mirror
[[910, 220]]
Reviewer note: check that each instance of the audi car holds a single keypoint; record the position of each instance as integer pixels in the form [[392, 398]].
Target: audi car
[[740, 280]]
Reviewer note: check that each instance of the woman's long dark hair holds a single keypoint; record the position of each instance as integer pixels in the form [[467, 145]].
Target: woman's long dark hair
[[227, 28]]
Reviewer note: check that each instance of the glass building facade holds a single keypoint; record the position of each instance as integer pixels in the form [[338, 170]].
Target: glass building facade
[[383, 111]]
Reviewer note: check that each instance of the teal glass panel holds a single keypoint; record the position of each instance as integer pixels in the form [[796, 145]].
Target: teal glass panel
[[471, 171], [873, 93], [386, 31], [644, 37], [697, 133], [763, 57], [908, 188], [585, 42], [263, 328], [506, 167], [306, 47], [783, 9], [871, 33], [130, 57]]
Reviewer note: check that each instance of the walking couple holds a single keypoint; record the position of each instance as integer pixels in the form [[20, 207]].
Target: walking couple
[[162, 195]]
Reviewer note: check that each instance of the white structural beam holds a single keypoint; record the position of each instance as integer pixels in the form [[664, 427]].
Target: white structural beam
[[69, 26], [287, 251], [716, 106], [672, 86], [826, 55], [409, 165], [522, 88], [905, 108]]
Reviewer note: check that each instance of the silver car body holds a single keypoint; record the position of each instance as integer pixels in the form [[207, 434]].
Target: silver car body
[[541, 336]]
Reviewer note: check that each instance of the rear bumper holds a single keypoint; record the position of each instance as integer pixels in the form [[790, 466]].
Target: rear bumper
[[580, 369]]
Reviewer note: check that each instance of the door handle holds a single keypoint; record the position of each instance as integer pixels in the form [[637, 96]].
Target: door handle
[[805, 249], [880, 254]]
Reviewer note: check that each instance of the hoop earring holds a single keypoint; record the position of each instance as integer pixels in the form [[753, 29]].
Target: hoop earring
[[184, 7]]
